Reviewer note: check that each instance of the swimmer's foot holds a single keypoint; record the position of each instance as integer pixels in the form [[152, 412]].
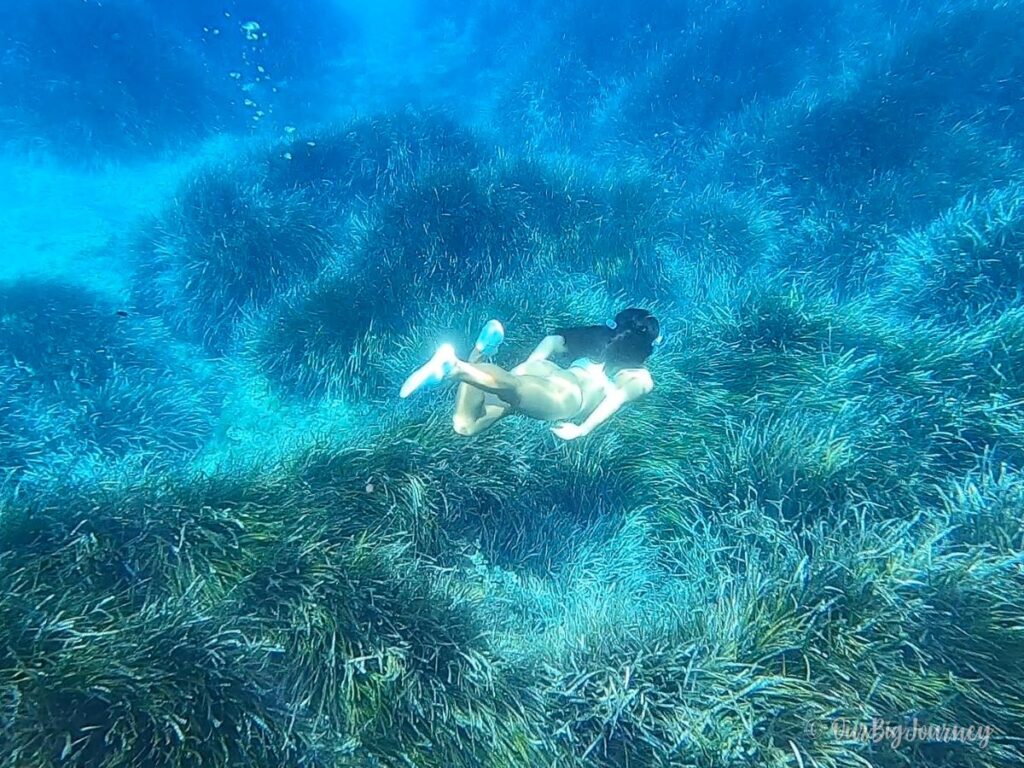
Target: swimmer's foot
[[434, 371], [490, 338]]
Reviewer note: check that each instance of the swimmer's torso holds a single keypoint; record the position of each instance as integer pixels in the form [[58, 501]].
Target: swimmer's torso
[[584, 383], [593, 383]]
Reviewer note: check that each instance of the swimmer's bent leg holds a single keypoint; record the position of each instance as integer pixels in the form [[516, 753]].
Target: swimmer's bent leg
[[489, 378], [471, 425], [545, 398], [472, 413], [469, 401]]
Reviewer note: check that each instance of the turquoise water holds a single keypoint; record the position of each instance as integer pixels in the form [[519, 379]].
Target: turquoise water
[[231, 231]]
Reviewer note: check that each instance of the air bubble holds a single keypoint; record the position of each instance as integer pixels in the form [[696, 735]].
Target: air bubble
[[251, 30]]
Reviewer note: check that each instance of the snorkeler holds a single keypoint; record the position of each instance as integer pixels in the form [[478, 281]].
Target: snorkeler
[[606, 371]]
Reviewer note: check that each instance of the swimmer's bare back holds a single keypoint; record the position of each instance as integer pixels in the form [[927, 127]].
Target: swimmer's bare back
[[547, 392]]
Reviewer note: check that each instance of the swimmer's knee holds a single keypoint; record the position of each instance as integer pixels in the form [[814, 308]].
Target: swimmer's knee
[[464, 426]]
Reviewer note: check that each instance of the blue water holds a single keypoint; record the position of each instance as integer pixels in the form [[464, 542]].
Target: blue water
[[232, 230]]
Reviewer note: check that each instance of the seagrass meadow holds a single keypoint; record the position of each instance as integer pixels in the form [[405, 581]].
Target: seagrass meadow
[[231, 230]]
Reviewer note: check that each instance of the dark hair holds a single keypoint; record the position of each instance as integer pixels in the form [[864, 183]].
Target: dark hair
[[636, 331]]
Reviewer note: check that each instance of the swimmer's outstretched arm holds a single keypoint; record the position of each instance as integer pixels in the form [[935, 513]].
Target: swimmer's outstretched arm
[[626, 387], [549, 345]]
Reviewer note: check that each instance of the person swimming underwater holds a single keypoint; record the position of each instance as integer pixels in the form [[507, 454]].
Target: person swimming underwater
[[607, 369]]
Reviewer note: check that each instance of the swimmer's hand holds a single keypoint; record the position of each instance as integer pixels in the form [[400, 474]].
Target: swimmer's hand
[[568, 431]]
